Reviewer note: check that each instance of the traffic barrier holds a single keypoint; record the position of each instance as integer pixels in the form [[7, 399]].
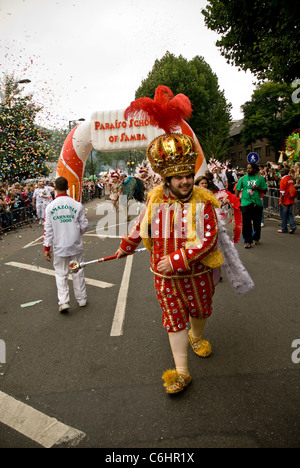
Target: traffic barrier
[[16, 217], [272, 208]]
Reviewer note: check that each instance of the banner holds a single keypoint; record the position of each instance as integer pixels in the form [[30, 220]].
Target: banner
[[111, 132]]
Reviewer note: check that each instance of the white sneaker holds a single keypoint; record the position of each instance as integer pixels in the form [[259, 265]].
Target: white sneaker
[[63, 307], [82, 303]]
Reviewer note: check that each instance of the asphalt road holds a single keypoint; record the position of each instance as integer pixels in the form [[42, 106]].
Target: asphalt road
[[70, 368]]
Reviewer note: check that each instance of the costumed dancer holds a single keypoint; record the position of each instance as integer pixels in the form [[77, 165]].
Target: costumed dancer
[[40, 202], [128, 186], [133, 188], [148, 176], [65, 223], [226, 199], [180, 227], [115, 181]]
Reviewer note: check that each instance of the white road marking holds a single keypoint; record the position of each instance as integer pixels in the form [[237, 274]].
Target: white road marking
[[118, 321], [31, 244], [35, 425], [88, 234], [45, 271]]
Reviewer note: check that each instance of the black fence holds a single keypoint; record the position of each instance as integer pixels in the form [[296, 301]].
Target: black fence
[[16, 217]]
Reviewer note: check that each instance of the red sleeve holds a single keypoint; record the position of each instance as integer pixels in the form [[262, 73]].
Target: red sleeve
[[283, 189], [130, 242]]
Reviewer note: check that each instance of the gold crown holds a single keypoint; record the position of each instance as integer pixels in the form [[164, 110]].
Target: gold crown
[[172, 154]]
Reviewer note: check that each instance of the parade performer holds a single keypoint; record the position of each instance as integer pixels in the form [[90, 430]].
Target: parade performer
[[133, 188], [180, 227], [293, 147], [40, 201], [291, 154], [114, 181], [148, 176], [65, 223]]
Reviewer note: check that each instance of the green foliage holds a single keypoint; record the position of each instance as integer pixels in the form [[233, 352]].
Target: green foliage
[[23, 148], [261, 36], [55, 143], [270, 114], [195, 79], [99, 161]]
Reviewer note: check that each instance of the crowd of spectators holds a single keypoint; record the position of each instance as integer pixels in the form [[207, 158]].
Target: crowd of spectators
[[17, 202], [271, 172], [272, 175]]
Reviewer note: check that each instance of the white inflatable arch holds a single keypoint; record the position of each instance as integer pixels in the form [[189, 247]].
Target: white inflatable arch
[[109, 131]]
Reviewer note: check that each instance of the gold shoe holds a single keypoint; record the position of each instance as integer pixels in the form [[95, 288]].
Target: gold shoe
[[202, 347], [175, 382]]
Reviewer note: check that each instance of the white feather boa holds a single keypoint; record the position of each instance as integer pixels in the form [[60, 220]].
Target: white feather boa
[[237, 275]]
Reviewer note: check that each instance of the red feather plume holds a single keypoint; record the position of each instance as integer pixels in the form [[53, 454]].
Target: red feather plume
[[165, 111]]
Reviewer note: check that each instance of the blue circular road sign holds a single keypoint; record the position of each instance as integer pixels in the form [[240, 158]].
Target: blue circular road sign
[[253, 158]]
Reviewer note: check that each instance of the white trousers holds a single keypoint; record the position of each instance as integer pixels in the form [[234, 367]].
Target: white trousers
[[62, 270], [40, 210]]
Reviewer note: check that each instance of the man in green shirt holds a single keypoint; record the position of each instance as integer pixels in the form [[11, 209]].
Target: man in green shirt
[[252, 186]]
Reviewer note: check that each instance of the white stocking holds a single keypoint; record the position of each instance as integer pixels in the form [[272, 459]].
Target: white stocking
[[197, 327], [179, 344]]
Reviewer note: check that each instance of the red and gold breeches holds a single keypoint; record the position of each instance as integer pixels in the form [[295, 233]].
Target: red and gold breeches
[[183, 297]]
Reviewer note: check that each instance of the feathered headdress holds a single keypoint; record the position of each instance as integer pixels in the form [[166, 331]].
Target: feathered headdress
[[172, 153], [165, 111]]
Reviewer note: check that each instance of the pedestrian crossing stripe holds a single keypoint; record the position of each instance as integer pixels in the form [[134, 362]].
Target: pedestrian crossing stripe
[[45, 271], [33, 424]]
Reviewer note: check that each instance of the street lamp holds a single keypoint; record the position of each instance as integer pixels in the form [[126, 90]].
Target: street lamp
[[130, 163], [74, 121]]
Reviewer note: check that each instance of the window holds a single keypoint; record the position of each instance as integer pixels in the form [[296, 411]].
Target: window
[[257, 150]]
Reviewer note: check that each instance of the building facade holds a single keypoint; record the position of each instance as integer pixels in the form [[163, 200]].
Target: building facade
[[238, 152]]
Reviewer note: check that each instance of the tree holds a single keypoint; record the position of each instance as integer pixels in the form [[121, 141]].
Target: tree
[[55, 142], [195, 79], [270, 114], [23, 148], [257, 35], [100, 161]]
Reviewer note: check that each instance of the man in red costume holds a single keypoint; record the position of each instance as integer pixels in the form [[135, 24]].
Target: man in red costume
[[179, 226]]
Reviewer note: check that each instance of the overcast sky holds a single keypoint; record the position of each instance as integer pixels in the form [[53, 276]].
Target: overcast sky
[[91, 55]]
